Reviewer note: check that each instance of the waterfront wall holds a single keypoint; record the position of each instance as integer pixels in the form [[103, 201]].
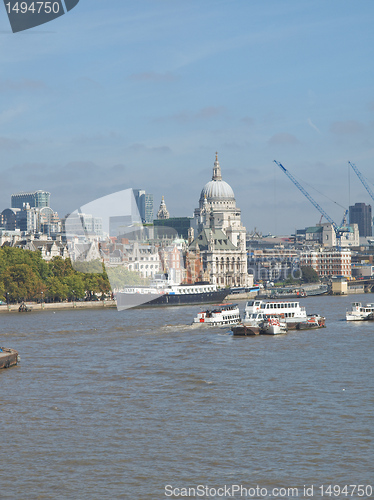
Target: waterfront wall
[[97, 304], [238, 296]]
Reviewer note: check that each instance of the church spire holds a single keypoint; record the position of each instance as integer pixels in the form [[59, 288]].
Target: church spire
[[217, 176]]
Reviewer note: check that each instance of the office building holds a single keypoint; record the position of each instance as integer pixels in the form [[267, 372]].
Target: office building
[[181, 225], [144, 202], [360, 214], [36, 199]]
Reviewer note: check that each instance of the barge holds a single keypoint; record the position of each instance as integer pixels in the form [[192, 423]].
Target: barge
[[8, 357]]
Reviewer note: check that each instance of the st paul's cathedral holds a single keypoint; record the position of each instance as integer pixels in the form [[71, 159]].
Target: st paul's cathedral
[[219, 237]]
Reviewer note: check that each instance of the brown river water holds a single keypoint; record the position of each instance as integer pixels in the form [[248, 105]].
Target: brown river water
[[139, 405]]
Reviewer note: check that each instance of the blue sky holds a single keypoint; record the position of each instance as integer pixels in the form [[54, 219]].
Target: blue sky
[[119, 94]]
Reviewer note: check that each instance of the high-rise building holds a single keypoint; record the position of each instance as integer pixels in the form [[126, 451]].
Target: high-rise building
[[360, 214], [148, 208], [144, 202], [37, 199]]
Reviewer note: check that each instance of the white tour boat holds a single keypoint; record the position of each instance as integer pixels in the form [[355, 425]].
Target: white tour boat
[[360, 312], [290, 311], [219, 315]]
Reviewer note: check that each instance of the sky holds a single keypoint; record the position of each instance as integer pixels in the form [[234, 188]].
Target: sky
[[116, 95]]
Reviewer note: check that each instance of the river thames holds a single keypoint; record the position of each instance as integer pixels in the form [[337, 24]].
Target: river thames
[[139, 405]]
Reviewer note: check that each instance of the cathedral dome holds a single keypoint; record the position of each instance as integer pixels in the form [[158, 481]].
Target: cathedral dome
[[217, 189]]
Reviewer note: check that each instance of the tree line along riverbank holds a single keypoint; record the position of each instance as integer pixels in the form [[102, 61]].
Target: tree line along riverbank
[[25, 276]]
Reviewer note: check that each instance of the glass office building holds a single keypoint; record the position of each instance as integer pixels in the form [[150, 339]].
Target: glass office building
[[37, 199]]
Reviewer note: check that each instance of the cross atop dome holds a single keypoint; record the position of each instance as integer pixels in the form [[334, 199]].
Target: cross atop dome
[[217, 176]]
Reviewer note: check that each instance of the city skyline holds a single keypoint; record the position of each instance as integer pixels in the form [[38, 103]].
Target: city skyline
[[322, 220], [118, 96]]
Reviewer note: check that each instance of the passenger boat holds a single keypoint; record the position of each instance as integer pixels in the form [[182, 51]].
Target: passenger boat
[[360, 312], [274, 325], [219, 315], [163, 292], [8, 357], [290, 311]]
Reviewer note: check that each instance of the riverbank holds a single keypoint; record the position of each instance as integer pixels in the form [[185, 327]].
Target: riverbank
[[34, 306], [240, 296]]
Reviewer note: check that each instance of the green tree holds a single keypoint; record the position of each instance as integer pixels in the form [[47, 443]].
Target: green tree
[[21, 283], [309, 275], [24, 275], [76, 286], [61, 267], [56, 290]]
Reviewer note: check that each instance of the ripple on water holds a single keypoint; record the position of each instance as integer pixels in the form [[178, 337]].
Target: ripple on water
[[108, 404]]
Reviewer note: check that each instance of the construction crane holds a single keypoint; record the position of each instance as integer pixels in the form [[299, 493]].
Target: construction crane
[[362, 179], [345, 219], [338, 230]]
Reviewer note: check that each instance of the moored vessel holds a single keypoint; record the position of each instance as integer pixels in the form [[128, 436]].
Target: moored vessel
[[163, 292], [8, 357], [251, 325], [360, 312], [219, 315], [245, 330], [274, 325], [313, 321], [291, 311]]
